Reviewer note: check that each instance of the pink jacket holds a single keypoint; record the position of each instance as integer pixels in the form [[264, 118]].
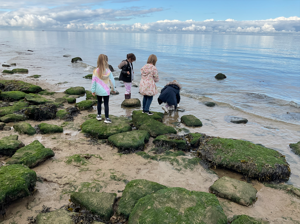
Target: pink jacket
[[148, 80]]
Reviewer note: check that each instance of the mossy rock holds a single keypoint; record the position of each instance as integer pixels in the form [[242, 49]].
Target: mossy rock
[[16, 181], [9, 145], [89, 76], [7, 72], [178, 205], [59, 216], [194, 139], [24, 128], [73, 60], [31, 155], [12, 118], [220, 76], [62, 114], [234, 190], [209, 104], [12, 109], [46, 93], [49, 128], [34, 76], [171, 141], [85, 104], [13, 85], [89, 95], [41, 112], [130, 141], [245, 219], [102, 130], [135, 190], [78, 90], [12, 95], [133, 102], [296, 148], [2, 125], [253, 161], [60, 100], [191, 121], [156, 128], [20, 70], [138, 117], [35, 99], [98, 203], [71, 100]]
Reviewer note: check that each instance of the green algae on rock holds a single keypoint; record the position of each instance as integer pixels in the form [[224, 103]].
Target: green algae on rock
[[12, 118], [89, 76], [85, 104], [12, 95], [138, 117], [7, 72], [16, 181], [49, 128], [130, 141], [35, 99], [62, 114], [245, 219], [59, 216], [12, 109], [133, 102], [73, 60], [178, 205], [156, 128], [89, 95], [46, 93], [194, 139], [135, 190], [34, 76], [71, 100], [220, 76], [78, 90], [13, 85], [9, 145], [234, 190], [24, 128], [31, 155], [20, 70], [253, 161], [171, 141], [101, 130], [191, 121], [41, 112], [296, 148], [285, 187], [98, 203]]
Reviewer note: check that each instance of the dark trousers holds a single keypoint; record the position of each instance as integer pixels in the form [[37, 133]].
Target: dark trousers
[[147, 100], [106, 99]]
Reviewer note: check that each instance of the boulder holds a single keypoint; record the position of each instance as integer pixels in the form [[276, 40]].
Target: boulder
[[59, 216], [89, 76], [17, 106], [74, 60], [138, 117], [24, 128], [210, 104], [130, 141], [9, 145], [12, 118], [98, 203], [234, 190], [238, 120], [253, 161], [156, 128], [245, 219], [102, 130], [135, 190], [191, 121], [220, 76], [35, 99], [2, 126], [89, 95], [16, 181], [296, 148], [134, 102], [41, 112], [171, 141], [12, 95], [49, 128], [78, 90], [71, 100], [12, 85], [178, 205], [20, 70], [31, 155], [7, 72], [85, 104]]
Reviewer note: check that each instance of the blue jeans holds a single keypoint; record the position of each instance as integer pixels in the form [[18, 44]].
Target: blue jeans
[[147, 102]]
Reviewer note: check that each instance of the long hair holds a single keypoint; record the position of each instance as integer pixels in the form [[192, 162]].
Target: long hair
[[101, 65], [152, 59]]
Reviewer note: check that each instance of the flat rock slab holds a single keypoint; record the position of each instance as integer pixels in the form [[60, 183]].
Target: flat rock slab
[[191, 121], [49, 128], [238, 120], [135, 190], [171, 141], [85, 104], [130, 141], [9, 145], [253, 161], [31, 155], [234, 190], [138, 117], [296, 148], [134, 102], [245, 219], [12, 95], [178, 205], [59, 216], [97, 203], [24, 128], [13, 85], [12, 118], [101, 130], [156, 128], [78, 90], [16, 181]]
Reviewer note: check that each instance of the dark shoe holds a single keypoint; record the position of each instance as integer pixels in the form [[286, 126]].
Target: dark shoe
[[107, 121], [149, 113], [127, 96]]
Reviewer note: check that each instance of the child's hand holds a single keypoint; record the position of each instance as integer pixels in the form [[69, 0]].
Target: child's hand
[[94, 94]]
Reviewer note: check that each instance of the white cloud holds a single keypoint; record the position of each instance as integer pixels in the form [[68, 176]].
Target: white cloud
[[194, 28], [229, 20], [208, 20]]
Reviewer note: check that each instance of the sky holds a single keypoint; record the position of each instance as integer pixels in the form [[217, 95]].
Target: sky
[[185, 16]]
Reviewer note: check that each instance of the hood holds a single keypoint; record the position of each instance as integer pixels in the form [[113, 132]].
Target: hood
[[146, 69], [174, 82], [105, 76]]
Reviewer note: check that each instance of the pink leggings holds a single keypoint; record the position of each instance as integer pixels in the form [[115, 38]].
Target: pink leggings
[[127, 87]]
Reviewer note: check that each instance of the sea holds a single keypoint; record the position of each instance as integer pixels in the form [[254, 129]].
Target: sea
[[263, 72]]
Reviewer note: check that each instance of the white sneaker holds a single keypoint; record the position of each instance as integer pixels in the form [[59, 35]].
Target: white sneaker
[[178, 105], [165, 109], [99, 118], [107, 121]]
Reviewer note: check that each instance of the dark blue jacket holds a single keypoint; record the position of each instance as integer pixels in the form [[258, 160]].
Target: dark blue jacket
[[170, 95]]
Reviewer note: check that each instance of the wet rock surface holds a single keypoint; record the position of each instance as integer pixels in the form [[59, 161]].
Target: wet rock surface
[[24, 128], [9, 145], [134, 102], [191, 121], [76, 59], [210, 104], [238, 120], [220, 76]]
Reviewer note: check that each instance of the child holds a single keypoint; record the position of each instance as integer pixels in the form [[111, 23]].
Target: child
[[101, 82], [147, 83], [127, 73], [170, 95]]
